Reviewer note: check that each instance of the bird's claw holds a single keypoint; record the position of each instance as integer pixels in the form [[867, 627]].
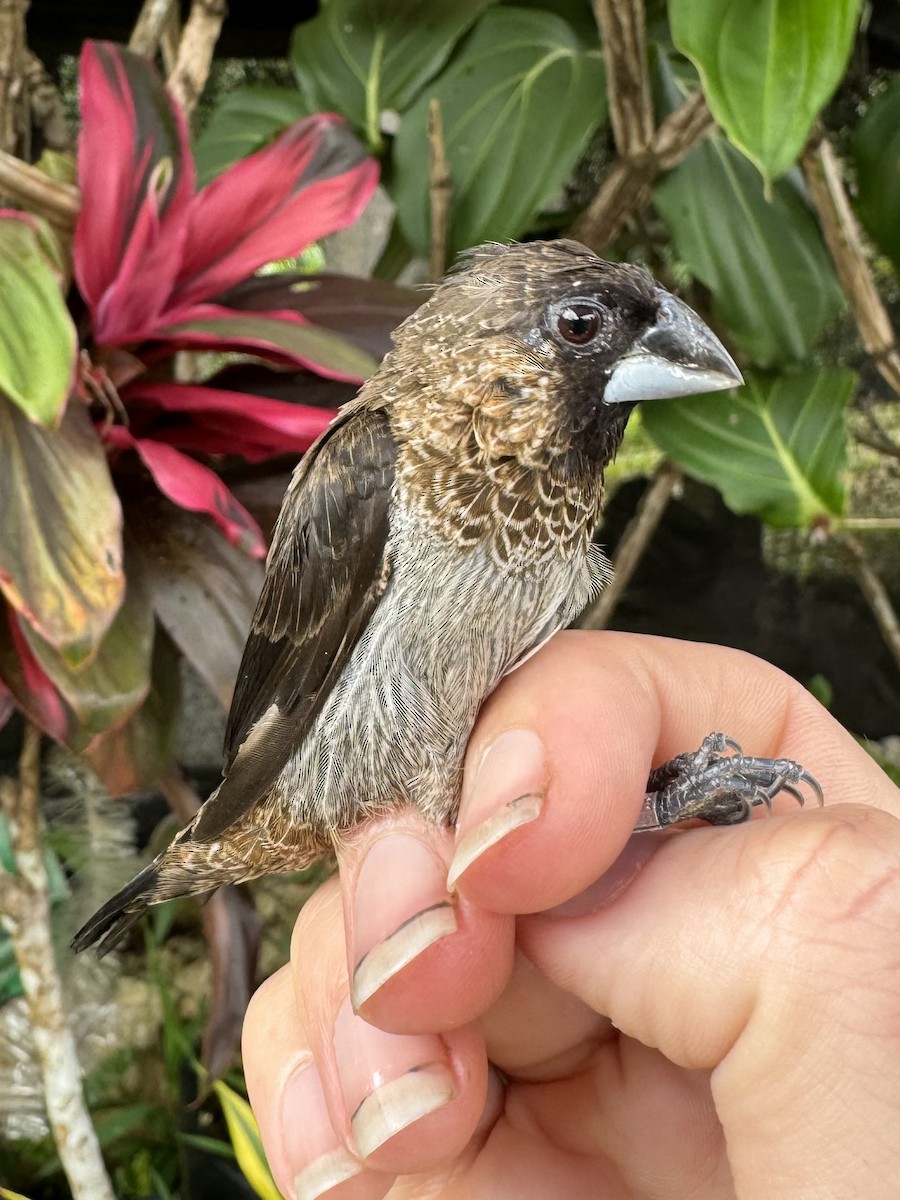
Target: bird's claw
[[719, 784]]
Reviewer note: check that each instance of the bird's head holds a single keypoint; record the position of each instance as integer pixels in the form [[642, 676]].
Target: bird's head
[[543, 349]]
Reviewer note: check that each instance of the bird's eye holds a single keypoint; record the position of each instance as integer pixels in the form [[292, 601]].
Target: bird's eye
[[578, 323]]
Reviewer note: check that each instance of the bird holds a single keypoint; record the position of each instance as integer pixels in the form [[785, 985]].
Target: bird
[[433, 538]]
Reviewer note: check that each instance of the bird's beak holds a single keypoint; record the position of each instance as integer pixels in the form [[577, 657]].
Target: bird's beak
[[677, 356]]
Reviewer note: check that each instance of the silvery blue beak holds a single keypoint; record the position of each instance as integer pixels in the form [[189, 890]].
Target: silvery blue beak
[[678, 356]]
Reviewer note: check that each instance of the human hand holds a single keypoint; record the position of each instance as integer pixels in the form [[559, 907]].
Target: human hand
[[706, 1013]]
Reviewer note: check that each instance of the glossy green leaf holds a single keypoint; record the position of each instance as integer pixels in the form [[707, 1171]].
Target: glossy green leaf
[[37, 337], [764, 260], [248, 1148], [768, 67], [105, 691], [60, 530], [776, 447], [244, 121], [876, 152], [360, 57], [518, 102]]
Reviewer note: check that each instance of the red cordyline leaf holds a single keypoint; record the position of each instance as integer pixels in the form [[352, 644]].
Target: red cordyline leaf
[[136, 175], [39, 697], [146, 247], [227, 422], [191, 485]]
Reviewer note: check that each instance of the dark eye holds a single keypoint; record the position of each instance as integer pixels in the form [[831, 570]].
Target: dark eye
[[578, 324]]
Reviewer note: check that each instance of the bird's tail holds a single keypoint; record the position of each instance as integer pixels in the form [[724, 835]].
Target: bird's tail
[[109, 924]]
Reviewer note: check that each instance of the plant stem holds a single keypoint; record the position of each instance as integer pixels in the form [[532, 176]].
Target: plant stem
[[627, 78], [60, 203], [825, 182], [874, 591], [633, 544], [441, 190], [195, 53], [149, 26], [25, 915]]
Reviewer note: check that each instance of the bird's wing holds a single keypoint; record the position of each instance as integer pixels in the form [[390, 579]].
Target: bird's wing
[[327, 569]]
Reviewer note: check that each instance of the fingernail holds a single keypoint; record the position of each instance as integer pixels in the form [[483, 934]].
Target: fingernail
[[506, 793], [401, 907], [310, 1138], [637, 853], [389, 1080]]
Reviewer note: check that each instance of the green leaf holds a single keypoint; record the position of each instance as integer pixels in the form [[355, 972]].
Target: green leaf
[[361, 57], [244, 1134], [6, 1194], [768, 67], [244, 121], [876, 151], [60, 530], [777, 447], [518, 103], [764, 261], [37, 337]]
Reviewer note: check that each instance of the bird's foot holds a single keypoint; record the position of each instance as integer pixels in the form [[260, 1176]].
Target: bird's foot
[[720, 784]]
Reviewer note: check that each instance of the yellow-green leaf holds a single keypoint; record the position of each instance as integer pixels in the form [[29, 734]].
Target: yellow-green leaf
[[6, 1194], [60, 530], [248, 1149], [37, 336]]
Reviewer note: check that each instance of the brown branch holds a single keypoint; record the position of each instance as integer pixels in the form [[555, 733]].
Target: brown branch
[[149, 26], [825, 182], [195, 52], [633, 544], [440, 192], [26, 185], [15, 125], [874, 591], [621, 25], [25, 916], [48, 112], [627, 185]]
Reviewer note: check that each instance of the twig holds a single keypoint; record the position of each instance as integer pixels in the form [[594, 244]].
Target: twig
[[48, 112], [874, 591], [195, 52], [441, 189], [621, 25], [14, 123], [878, 441], [25, 915], [844, 240], [148, 27], [633, 544], [627, 185], [58, 202]]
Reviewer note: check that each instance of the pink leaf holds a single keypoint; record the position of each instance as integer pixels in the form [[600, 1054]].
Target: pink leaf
[[136, 175], [225, 422], [191, 485], [283, 336], [40, 698], [313, 180]]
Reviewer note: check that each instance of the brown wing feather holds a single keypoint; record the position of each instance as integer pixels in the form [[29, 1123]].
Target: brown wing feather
[[327, 570]]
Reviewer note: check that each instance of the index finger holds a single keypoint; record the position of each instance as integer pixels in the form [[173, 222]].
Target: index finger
[[558, 762]]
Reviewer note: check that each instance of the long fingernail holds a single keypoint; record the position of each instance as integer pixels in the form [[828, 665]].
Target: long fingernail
[[310, 1138], [401, 908], [389, 1080], [506, 793]]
